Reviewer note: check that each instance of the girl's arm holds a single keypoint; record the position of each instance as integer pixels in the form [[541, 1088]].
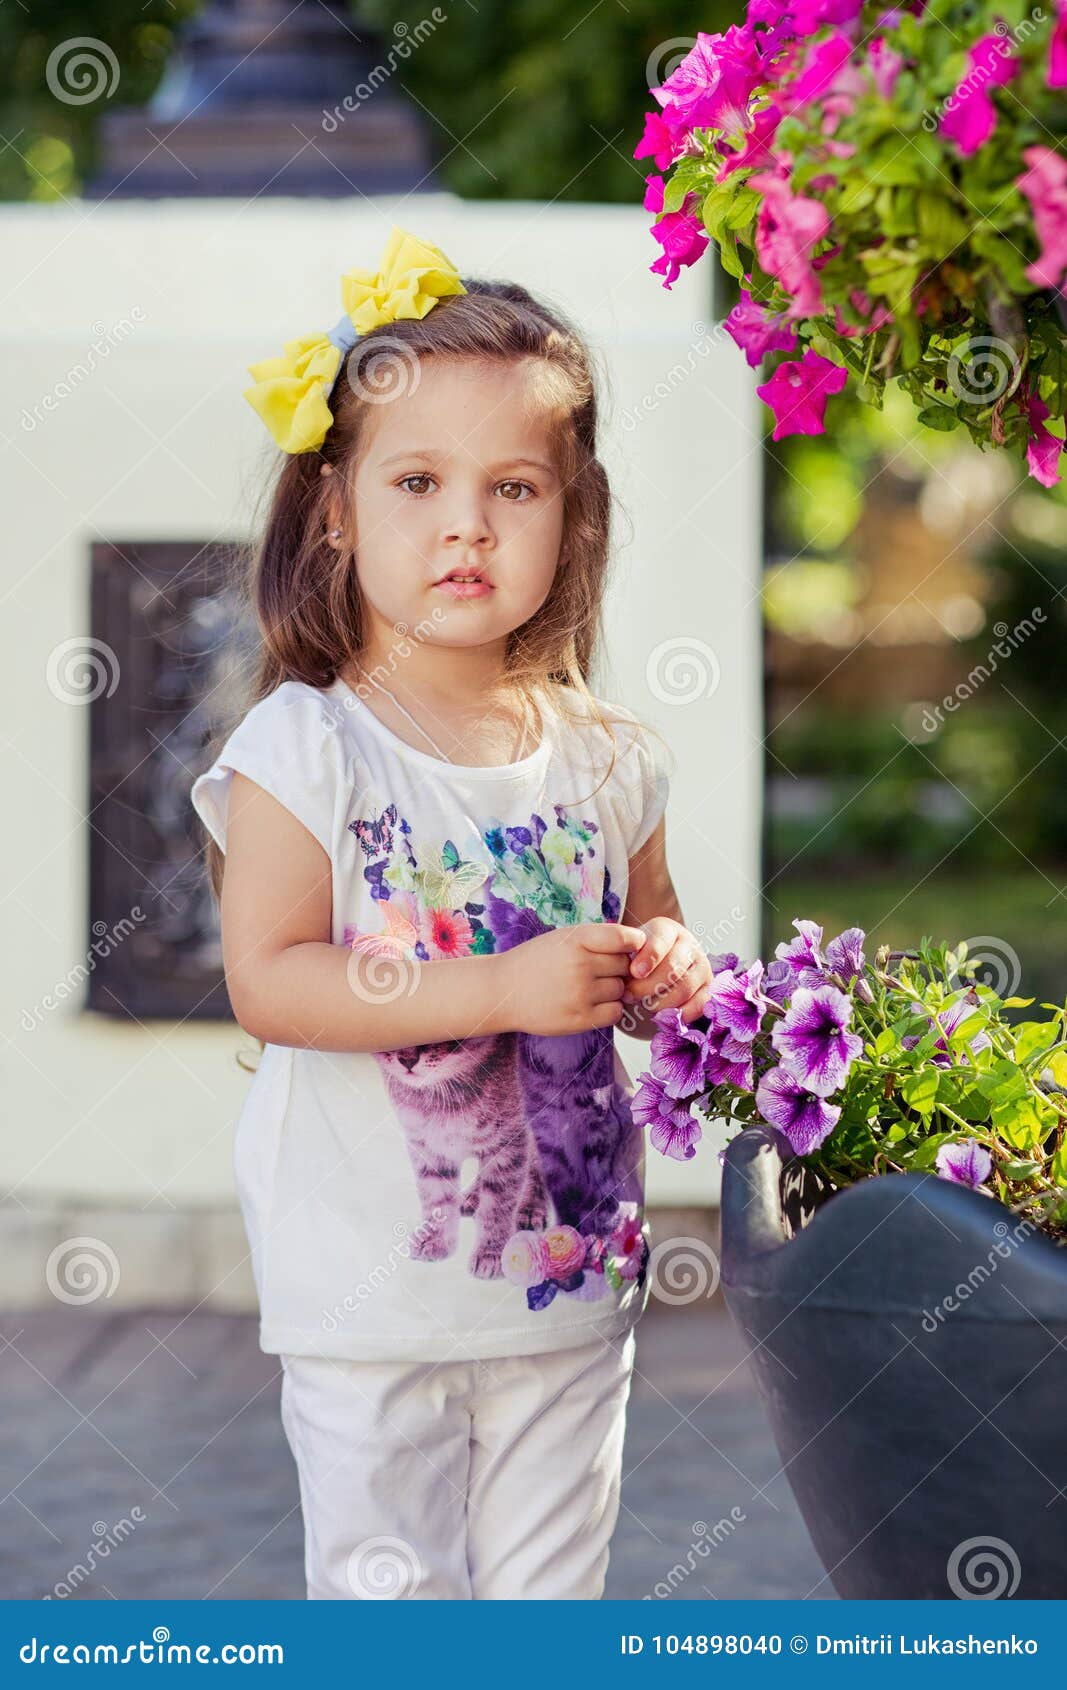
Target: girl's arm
[[290, 985], [650, 894]]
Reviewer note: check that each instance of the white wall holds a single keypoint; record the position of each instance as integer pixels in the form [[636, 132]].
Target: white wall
[[148, 437]]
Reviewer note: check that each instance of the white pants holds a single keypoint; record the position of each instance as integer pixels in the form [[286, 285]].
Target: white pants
[[459, 1479]]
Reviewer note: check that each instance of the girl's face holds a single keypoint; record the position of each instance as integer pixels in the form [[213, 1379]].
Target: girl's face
[[456, 478]]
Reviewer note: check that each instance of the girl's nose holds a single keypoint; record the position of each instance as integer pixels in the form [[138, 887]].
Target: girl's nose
[[468, 524]]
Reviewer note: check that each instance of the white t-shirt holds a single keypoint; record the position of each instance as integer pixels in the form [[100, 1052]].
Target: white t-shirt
[[464, 1199]]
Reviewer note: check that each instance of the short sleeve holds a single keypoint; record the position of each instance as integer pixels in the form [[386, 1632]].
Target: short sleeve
[[288, 744], [643, 779], [652, 790]]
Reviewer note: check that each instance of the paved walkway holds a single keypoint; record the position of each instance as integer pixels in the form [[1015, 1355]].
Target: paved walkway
[[146, 1450]]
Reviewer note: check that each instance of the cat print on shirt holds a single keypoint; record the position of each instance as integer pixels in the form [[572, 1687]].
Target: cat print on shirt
[[457, 1099], [555, 1192]]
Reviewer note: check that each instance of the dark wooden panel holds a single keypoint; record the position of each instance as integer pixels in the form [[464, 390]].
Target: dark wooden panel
[[167, 628]]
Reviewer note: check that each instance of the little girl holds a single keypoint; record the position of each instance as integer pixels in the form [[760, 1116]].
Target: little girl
[[445, 885]]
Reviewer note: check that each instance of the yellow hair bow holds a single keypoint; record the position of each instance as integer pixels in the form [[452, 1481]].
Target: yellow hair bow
[[291, 392]]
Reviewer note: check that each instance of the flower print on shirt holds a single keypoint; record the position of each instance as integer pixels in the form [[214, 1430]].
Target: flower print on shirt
[[555, 1197]]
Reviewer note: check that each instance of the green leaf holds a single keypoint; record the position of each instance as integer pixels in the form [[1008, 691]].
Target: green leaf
[[941, 417], [1025, 1123], [919, 1090], [940, 224], [1020, 1170], [1032, 1036], [926, 1155]]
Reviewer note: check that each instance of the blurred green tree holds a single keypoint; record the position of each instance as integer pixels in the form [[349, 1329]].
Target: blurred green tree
[[528, 99]]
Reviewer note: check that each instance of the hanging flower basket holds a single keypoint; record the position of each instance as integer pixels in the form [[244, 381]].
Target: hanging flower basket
[[889, 186]]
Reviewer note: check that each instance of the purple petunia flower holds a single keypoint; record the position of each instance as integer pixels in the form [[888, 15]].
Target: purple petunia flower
[[679, 1053], [778, 981], [813, 1041], [947, 1020], [955, 1014], [804, 954], [965, 1162], [672, 1129], [728, 1061], [844, 955], [677, 1137], [805, 1120], [728, 959], [736, 1003]]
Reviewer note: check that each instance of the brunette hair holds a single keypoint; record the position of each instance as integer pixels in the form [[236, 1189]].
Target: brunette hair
[[304, 594]]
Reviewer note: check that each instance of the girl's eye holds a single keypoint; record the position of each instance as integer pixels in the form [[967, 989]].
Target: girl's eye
[[423, 476]]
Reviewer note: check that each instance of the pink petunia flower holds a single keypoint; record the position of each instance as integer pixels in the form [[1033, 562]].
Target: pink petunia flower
[[1043, 448], [885, 65], [797, 394], [970, 116], [757, 331], [755, 153], [654, 190], [1045, 185], [1057, 50], [829, 77], [660, 141], [683, 239], [788, 228], [714, 83]]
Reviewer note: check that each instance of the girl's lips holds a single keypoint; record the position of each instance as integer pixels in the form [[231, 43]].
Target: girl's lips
[[464, 589]]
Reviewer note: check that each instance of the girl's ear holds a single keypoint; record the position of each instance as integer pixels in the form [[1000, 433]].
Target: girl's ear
[[335, 511]]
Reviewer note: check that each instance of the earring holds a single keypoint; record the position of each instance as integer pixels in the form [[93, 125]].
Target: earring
[[335, 533]]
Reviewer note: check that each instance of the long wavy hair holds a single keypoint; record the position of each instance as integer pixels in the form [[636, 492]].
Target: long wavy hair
[[305, 595]]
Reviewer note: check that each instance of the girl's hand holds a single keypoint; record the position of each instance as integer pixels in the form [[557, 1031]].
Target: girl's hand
[[670, 971], [571, 979]]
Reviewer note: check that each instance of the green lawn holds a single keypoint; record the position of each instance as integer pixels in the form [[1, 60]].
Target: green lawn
[[1017, 915]]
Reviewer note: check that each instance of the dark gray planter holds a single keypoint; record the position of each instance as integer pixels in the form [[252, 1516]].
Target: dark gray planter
[[908, 1340]]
